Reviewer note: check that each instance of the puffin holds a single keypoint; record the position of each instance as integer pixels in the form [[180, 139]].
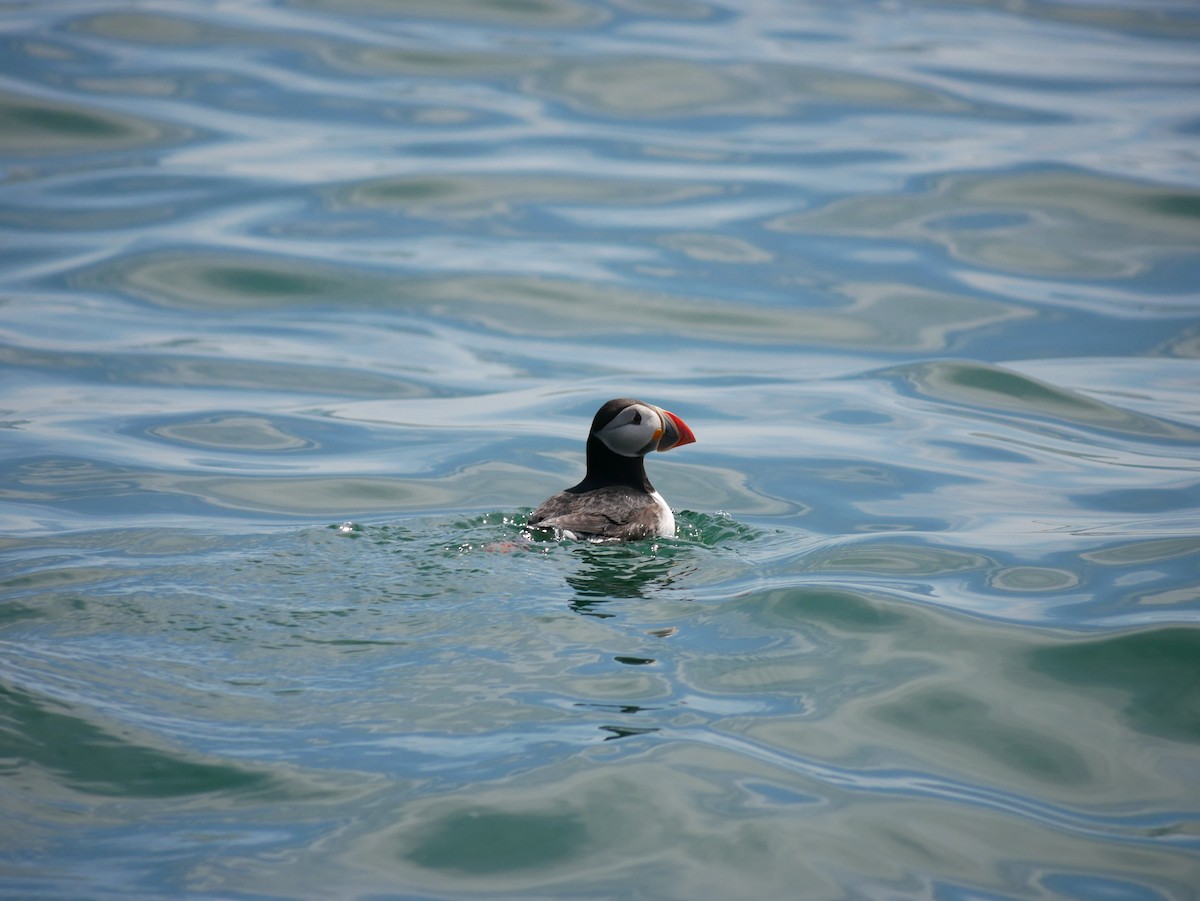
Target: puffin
[[615, 500]]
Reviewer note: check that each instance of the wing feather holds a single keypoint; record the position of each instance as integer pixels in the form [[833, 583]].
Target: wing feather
[[612, 512]]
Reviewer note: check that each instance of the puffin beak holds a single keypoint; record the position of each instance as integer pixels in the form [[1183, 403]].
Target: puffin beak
[[675, 431]]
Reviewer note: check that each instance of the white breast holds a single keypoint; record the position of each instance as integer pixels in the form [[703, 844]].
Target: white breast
[[666, 526]]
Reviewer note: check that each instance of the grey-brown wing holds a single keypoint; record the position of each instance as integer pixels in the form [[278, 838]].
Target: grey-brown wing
[[616, 512]]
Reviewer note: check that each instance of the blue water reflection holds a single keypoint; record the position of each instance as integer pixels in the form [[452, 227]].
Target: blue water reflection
[[306, 303]]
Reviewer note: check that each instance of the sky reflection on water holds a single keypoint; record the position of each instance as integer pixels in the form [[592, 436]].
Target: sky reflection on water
[[306, 304]]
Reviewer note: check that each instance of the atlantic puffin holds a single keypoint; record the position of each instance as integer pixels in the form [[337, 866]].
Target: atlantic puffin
[[615, 500]]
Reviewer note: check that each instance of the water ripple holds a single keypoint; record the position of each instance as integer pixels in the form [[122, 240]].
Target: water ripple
[[305, 305]]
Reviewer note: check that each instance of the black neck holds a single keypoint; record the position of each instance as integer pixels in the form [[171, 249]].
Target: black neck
[[605, 468]]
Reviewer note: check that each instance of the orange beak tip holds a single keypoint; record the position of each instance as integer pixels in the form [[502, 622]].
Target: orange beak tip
[[685, 433]]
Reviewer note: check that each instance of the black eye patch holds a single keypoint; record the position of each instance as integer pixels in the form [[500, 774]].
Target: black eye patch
[[637, 417]]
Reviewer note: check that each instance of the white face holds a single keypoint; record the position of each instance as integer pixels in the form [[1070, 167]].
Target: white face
[[634, 431]]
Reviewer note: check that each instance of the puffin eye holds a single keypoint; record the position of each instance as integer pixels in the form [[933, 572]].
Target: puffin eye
[[637, 417]]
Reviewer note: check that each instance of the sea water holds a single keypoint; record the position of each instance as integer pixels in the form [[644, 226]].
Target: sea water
[[305, 304]]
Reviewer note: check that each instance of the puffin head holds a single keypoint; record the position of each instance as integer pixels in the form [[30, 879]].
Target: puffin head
[[633, 428]]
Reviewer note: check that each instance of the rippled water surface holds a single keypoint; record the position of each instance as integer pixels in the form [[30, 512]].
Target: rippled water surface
[[305, 304]]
